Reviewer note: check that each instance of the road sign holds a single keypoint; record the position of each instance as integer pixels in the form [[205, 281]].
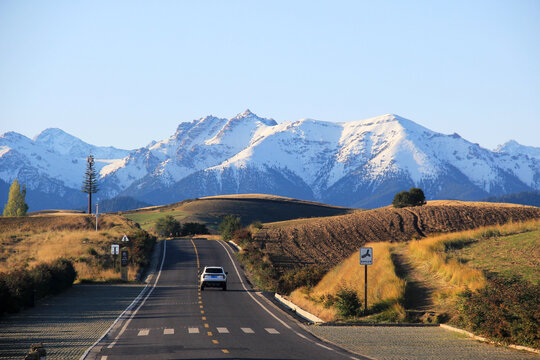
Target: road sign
[[124, 257], [114, 249], [125, 238], [366, 256]]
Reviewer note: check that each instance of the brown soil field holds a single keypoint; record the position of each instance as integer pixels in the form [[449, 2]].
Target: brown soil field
[[328, 241]]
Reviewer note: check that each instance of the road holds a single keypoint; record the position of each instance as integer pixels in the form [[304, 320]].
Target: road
[[174, 320]]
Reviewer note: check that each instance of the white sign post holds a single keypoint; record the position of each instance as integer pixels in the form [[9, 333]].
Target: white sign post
[[366, 258], [115, 249]]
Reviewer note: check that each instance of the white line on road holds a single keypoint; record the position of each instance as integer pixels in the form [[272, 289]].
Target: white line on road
[[143, 332], [248, 330], [144, 300], [168, 331], [222, 330], [193, 330], [271, 331], [104, 357]]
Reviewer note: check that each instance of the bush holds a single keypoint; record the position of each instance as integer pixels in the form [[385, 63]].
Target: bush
[[307, 276], [168, 225], [229, 225], [505, 310], [413, 197], [193, 228], [21, 287], [347, 303], [141, 244]]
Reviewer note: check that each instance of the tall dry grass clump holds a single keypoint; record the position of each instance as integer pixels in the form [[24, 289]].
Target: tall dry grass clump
[[33, 240], [385, 289]]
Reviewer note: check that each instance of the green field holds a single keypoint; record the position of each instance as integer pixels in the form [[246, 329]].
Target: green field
[[506, 256]]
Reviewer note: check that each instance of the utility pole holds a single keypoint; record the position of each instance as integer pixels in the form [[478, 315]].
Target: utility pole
[[97, 214]]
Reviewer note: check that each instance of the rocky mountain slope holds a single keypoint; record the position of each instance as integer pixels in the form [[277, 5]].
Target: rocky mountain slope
[[358, 164]]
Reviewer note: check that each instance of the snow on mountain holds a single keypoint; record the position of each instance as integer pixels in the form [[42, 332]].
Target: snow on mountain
[[359, 163], [512, 147]]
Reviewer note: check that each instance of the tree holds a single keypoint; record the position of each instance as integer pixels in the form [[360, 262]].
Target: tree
[[413, 197], [168, 225], [90, 185], [229, 225], [16, 205]]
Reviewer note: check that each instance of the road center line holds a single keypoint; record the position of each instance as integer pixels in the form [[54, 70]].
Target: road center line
[[197, 254]]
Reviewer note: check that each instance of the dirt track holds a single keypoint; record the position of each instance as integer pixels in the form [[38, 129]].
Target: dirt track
[[327, 241]]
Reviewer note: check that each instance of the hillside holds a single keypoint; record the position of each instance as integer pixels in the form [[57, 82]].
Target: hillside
[[249, 207], [327, 241], [47, 236]]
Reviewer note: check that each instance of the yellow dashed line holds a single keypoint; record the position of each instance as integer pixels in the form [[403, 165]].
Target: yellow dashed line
[[204, 317], [206, 325], [200, 298], [202, 311], [201, 306], [196, 253], [215, 341], [210, 333], [225, 351]]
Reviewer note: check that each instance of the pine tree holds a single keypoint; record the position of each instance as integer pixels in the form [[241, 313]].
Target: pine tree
[[90, 185], [16, 205]]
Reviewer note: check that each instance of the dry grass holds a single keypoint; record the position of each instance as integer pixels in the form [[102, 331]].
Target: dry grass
[[31, 240], [385, 289]]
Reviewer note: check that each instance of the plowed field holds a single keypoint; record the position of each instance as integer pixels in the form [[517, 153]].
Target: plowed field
[[328, 241]]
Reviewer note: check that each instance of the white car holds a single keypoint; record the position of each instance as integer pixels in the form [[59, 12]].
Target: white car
[[213, 276]]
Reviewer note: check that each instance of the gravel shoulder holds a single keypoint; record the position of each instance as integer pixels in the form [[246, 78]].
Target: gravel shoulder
[[418, 343]]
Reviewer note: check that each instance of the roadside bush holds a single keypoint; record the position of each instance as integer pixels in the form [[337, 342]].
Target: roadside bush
[[21, 287], [413, 197], [242, 237], [229, 225], [168, 225], [193, 228], [141, 245], [306, 276], [505, 310], [347, 303]]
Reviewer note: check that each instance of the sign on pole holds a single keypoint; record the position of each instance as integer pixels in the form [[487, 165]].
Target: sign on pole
[[124, 258], [114, 249], [366, 256], [125, 238]]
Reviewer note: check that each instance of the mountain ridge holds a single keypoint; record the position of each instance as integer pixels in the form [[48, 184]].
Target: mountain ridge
[[360, 163]]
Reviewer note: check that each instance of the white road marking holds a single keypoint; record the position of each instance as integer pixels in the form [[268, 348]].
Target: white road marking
[[193, 330], [222, 330], [104, 357], [248, 330], [143, 332], [271, 330], [143, 301], [325, 347], [168, 331]]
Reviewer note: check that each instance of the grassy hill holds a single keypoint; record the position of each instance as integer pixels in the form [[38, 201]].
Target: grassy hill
[[328, 241], [425, 281], [250, 207], [48, 235]]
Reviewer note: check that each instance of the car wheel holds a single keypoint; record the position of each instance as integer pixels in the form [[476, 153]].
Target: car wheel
[[202, 288], [224, 288]]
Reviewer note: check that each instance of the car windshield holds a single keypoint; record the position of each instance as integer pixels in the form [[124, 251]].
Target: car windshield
[[214, 271]]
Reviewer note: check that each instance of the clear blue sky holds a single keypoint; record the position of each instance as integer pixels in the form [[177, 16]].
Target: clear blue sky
[[124, 73]]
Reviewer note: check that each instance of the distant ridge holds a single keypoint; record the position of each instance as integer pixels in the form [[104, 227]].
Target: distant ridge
[[359, 164]]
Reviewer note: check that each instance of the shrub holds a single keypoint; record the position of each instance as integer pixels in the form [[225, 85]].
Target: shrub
[[505, 310], [193, 228], [229, 225], [347, 303], [168, 225], [307, 276], [141, 244], [21, 287], [413, 197]]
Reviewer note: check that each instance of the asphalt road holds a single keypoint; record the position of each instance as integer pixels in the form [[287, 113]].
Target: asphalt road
[[174, 320]]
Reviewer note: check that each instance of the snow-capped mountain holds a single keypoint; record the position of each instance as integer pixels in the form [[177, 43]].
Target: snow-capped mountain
[[361, 163]]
